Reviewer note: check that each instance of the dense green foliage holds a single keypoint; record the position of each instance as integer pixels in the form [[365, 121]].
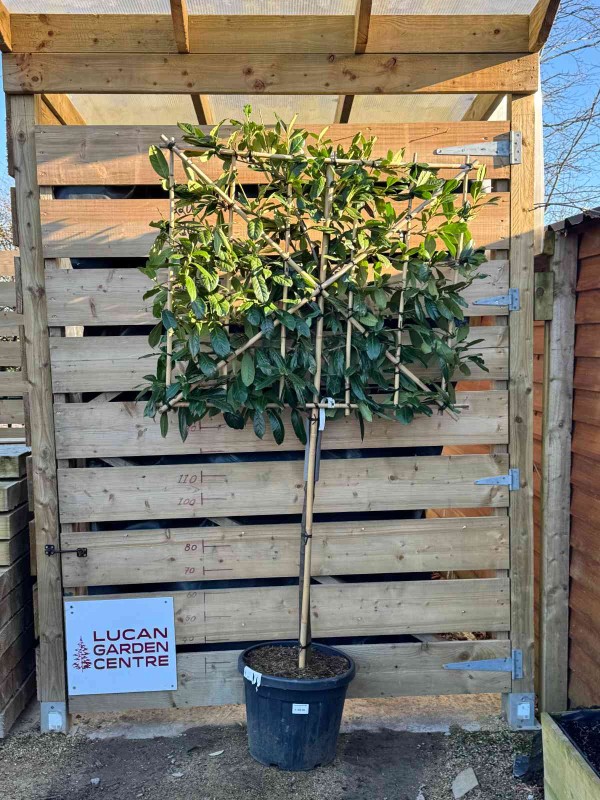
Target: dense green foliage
[[227, 286]]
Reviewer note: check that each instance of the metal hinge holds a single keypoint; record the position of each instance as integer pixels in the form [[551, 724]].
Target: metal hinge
[[514, 665], [512, 480], [510, 147], [512, 300], [51, 550]]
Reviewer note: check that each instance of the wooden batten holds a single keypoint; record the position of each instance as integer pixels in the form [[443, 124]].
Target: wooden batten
[[363, 609], [297, 73]]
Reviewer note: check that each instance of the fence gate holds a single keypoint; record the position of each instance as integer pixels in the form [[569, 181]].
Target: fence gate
[[115, 474]]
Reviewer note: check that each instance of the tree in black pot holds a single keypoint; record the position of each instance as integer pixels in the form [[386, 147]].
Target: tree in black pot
[[317, 297]]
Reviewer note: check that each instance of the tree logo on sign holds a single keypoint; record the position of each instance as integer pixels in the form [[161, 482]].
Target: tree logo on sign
[[82, 656]]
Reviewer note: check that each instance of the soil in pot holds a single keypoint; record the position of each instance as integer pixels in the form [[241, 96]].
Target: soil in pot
[[583, 729], [282, 662]]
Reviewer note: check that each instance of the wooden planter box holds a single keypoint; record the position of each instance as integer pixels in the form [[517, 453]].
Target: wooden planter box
[[567, 773]]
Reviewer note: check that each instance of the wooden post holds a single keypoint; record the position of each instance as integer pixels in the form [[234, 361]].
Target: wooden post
[[51, 675], [521, 391], [559, 359]]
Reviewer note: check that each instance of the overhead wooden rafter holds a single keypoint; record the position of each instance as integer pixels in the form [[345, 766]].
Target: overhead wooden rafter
[[482, 107], [362, 19], [5, 31], [181, 31], [294, 74], [63, 109], [540, 23]]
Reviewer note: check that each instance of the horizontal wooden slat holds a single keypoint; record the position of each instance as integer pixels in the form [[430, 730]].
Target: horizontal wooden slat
[[121, 228], [16, 652], [111, 363], [234, 552], [7, 294], [13, 522], [99, 154], [294, 73], [13, 460], [586, 407], [17, 704], [14, 602], [91, 429], [12, 493], [12, 412], [216, 490], [115, 296], [10, 577], [587, 374], [12, 549], [588, 307], [586, 441], [12, 384], [9, 320], [10, 354], [589, 274], [340, 609], [383, 670], [7, 262], [278, 33], [14, 627], [587, 340]]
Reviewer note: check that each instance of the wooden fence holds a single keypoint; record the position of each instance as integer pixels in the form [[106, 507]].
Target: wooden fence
[[96, 339], [12, 417]]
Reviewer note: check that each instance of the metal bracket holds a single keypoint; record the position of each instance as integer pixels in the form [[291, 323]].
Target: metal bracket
[[51, 550], [512, 300], [510, 147], [519, 709], [514, 665], [512, 480], [54, 717]]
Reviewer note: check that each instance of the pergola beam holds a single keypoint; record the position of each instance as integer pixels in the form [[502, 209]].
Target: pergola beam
[[482, 107], [5, 29], [63, 109], [540, 23], [181, 31], [268, 33], [294, 74], [362, 20]]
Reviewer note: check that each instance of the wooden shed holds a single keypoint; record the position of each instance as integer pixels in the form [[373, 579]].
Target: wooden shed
[[86, 95]]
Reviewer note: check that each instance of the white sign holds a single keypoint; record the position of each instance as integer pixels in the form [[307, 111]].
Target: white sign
[[300, 708], [116, 646]]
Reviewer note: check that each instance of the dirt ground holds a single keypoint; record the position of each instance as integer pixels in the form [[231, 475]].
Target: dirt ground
[[372, 764]]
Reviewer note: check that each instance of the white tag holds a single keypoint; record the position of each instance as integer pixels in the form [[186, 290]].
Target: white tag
[[252, 676], [55, 721], [523, 711], [300, 708]]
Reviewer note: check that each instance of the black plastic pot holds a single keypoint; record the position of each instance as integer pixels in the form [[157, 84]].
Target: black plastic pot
[[294, 723]]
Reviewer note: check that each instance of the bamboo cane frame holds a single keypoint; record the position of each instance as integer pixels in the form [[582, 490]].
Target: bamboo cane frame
[[319, 288]]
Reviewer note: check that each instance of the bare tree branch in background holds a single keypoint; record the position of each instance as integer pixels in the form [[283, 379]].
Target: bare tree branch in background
[[570, 81], [6, 237]]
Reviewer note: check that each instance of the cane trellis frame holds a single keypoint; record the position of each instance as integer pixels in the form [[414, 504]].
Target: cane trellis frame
[[319, 293]]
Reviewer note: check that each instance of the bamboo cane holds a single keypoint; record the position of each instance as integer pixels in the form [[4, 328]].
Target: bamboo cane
[[232, 166], [309, 486], [282, 347], [401, 308], [348, 354], [169, 365]]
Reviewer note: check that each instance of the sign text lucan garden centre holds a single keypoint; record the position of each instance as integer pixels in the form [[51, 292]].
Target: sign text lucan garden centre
[[116, 646]]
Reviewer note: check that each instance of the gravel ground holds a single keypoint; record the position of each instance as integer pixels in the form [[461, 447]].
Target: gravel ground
[[371, 765]]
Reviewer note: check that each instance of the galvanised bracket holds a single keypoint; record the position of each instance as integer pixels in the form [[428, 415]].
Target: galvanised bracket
[[512, 480], [512, 300], [510, 147], [514, 665]]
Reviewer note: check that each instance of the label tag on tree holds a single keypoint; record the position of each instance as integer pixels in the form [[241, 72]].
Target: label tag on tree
[[116, 646], [300, 708]]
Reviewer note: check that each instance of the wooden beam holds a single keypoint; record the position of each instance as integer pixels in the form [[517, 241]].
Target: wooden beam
[[203, 109], [362, 19], [296, 74], [521, 391], [559, 361], [51, 678], [541, 20], [181, 27], [5, 30], [270, 33], [482, 107], [63, 109]]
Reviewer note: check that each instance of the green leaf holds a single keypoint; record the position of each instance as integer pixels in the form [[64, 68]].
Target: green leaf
[[365, 412], [164, 424], [199, 308], [194, 342], [255, 228], [234, 420], [183, 423], [260, 289], [158, 161], [259, 424], [276, 425], [207, 365], [298, 425], [168, 319], [373, 346], [220, 342], [155, 334], [191, 288], [247, 369]]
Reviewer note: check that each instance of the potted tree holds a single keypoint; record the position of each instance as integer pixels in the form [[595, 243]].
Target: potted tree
[[315, 298]]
